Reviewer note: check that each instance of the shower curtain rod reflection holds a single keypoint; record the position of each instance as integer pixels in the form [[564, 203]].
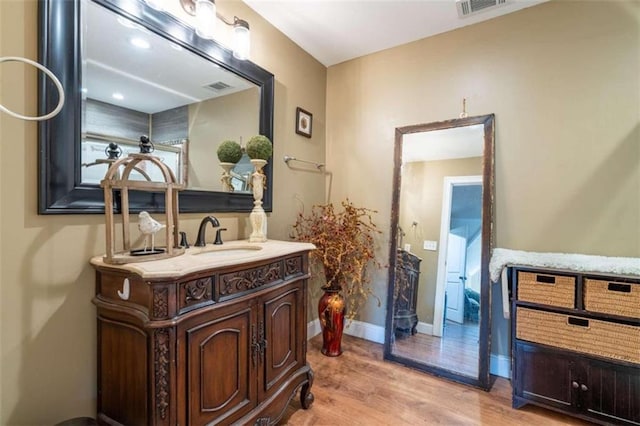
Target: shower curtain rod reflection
[[288, 158]]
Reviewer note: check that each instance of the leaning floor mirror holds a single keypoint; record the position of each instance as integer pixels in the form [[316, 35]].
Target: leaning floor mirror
[[439, 314]]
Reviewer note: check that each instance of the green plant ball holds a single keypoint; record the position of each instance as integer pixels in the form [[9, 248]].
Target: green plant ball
[[259, 147], [229, 152]]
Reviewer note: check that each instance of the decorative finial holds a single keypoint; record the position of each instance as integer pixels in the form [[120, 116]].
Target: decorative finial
[[463, 114], [146, 146], [113, 151]]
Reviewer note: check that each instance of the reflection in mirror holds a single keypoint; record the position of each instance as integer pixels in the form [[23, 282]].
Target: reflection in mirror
[[135, 83], [438, 311], [166, 103]]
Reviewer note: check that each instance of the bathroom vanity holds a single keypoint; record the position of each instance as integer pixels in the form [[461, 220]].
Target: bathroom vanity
[[215, 336]]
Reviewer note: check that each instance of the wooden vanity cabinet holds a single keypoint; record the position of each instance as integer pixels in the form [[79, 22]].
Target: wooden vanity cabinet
[[221, 346], [571, 353]]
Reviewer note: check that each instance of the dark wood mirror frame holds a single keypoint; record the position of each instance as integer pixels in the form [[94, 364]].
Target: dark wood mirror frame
[[488, 177], [59, 188]]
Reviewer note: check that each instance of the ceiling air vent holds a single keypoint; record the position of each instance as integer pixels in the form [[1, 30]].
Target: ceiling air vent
[[217, 86], [471, 7]]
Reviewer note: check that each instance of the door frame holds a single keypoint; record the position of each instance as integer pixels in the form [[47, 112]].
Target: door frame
[[445, 223]]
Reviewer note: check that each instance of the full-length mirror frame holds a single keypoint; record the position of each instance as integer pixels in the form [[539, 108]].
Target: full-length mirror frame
[[482, 379], [59, 182]]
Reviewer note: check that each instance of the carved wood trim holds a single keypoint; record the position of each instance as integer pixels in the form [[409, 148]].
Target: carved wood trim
[[293, 266], [240, 281], [197, 290], [160, 303], [161, 375]]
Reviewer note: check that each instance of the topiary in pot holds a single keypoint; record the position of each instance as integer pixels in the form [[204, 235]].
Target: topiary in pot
[[229, 152], [259, 147]]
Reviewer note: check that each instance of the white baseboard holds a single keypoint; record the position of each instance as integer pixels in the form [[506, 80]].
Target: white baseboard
[[425, 328], [364, 330], [500, 365], [313, 328]]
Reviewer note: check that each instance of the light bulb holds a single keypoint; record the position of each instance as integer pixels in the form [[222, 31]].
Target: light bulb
[[241, 39], [205, 18]]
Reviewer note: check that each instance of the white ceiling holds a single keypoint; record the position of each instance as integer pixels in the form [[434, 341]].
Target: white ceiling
[[334, 31], [154, 79], [445, 144]]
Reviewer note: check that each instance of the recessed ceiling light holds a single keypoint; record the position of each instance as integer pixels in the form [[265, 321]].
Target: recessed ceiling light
[[140, 42], [84, 90], [117, 96], [129, 24], [156, 4]]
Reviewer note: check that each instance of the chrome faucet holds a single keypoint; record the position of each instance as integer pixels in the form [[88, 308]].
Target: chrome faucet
[[200, 241]]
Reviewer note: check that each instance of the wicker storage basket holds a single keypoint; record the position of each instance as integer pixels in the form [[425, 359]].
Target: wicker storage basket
[[552, 290], [612, 298], [595, 337]]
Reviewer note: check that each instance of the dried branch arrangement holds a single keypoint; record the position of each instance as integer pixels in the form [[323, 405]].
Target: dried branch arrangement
[[345, 246]]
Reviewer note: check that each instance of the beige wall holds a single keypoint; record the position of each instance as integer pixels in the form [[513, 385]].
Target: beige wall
[[48, 328], [236, 118], [421, 202], [563, 81]]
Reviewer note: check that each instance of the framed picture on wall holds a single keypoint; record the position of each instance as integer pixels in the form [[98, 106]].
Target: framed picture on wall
[[304, 122]]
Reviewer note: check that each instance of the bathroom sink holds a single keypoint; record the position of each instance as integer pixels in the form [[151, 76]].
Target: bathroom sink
[[222, 251]]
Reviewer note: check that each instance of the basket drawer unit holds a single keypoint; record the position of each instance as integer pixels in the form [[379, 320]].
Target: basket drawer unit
[[547, 289], [590, 336], [611, 297], [575, 339]]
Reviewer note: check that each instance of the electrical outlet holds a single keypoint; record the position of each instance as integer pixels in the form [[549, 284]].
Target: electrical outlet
[[430, 245]]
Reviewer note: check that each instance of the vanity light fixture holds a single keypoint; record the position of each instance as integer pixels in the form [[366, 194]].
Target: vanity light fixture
[[241, 38], [205, 13]]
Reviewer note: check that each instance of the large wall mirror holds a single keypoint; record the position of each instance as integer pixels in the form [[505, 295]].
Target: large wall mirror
[[129, 70], [438, 313]]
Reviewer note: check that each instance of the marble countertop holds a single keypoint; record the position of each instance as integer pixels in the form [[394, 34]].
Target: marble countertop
[[211, 256]]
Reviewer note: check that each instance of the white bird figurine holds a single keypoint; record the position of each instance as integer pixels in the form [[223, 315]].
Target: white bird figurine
[[148, 226]]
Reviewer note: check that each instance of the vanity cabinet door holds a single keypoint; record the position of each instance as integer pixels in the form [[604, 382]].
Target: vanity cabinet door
[[283, 319], [221, 362], [545, 376]]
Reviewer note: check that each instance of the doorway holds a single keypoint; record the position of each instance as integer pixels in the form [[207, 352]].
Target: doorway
[[457, 299]]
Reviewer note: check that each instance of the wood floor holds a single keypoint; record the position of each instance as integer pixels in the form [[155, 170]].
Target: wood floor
[[457, 350], [359, 388]]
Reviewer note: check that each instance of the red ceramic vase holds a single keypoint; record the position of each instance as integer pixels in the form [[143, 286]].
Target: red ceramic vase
[[331, 313]]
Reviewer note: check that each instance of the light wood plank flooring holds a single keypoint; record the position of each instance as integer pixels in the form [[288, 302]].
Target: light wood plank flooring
[[457, 350], [359, 388]]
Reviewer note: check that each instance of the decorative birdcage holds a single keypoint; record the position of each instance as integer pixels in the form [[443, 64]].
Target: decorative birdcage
[[118, 178]]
